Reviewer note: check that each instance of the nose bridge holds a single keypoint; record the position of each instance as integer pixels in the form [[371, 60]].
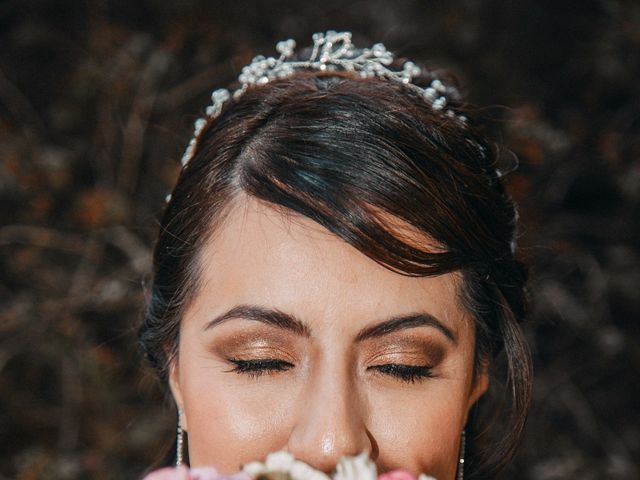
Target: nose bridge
[[331, 420]]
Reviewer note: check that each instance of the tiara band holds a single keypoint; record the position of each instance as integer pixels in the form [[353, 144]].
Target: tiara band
[[332, 51]]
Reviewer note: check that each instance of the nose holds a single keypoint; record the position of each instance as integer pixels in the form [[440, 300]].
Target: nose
[[330, 423]]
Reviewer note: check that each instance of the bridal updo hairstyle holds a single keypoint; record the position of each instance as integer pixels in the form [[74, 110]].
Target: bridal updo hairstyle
[[347, 153]]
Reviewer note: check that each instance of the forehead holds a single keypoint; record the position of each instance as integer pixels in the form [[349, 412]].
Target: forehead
[[287, 261]]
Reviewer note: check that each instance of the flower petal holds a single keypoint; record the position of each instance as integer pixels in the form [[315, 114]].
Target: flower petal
[[359, 467], [397, 475], [203, 473], [280, 461], [169, 473]]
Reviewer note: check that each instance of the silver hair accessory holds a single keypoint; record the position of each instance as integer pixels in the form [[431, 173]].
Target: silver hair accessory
[[463, 441], [180, 440], [332, 51]]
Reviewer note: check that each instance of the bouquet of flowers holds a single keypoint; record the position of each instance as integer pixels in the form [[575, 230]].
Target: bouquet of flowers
[[283, 466]]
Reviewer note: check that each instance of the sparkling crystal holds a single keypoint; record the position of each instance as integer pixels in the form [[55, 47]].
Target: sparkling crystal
[[331, 51], [438, 86], [439, 103]]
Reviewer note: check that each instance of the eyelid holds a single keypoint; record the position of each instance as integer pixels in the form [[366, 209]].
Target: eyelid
[[258, 367], [253, 348], [405, 373], [404, 358], [398, 357], [407, 350]]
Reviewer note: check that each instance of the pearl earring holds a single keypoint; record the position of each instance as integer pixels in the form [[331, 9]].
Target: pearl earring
[[463, 441], [179, 440]]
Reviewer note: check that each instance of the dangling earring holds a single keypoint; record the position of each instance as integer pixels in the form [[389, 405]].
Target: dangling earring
[[463, 441], [179, 440]]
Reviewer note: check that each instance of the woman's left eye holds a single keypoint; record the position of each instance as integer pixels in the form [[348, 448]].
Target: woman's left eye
[[406, 373], [255, 368]]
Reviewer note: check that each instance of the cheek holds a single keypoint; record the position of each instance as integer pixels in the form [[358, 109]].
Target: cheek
[[420, 432], [232, 420]]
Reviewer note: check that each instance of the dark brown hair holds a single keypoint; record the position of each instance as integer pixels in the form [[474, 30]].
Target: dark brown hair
[[349, 153]]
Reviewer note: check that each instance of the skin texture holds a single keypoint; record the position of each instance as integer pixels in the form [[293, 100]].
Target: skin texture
[[335, 394]]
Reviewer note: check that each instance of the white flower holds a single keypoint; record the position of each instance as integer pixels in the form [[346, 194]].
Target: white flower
[[279, 461], [424, 476], [359, 467], [302, 471], [253, 469]]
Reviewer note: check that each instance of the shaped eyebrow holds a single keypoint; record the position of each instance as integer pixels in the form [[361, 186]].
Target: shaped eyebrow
[[287, 321], [269, 316]]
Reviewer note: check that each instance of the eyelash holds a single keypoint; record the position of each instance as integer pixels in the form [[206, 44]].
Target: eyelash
[[256, 368], [406, 373]]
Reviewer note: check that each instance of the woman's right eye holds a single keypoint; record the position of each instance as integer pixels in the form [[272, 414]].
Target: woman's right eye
[[255, 368]]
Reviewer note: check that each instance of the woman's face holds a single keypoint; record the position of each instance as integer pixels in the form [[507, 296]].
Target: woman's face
[[297, 341]]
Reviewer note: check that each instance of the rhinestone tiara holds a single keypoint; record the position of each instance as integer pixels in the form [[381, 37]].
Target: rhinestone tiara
[[331, 51]]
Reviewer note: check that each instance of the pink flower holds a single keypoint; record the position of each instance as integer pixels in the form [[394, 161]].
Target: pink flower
[[204, 473], [184, 473], [396, 475], [169, 473]]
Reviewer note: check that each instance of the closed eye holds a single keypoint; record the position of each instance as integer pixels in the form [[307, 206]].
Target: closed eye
[[406, 373], [255, 368], [258, 367]]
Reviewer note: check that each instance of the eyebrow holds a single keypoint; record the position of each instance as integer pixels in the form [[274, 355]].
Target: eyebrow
[[287, 321]]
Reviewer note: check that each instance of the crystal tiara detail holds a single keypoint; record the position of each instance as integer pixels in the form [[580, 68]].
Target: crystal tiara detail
[[332, 51]]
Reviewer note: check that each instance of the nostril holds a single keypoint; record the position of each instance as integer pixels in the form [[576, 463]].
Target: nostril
[[322, 447], [374, 451]]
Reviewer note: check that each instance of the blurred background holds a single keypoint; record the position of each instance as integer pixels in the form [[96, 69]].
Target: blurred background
[[97, 101]]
